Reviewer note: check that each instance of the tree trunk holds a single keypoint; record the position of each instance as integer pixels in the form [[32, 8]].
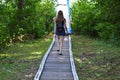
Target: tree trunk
[[20, 10]]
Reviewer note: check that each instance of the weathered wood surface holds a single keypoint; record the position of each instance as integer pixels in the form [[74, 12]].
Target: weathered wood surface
[[58, 67]]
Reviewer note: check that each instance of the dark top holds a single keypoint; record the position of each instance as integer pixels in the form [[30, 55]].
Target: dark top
[[60, 31]]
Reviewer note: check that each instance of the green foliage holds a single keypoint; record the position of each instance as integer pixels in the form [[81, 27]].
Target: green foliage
[[84, 17], [97, 18], [105, 30], [4, 19], [48, 13], [110, 10], [25, 17], [4, 37]]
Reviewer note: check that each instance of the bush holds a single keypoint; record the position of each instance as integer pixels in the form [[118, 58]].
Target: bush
[[105, 30], [4, 37], [96, 18], [85, 17], [25, 18]]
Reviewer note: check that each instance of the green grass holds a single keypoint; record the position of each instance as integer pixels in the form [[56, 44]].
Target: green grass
[[20, 61], [95, 60]]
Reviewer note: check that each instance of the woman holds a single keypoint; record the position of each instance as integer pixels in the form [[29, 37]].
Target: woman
[[59, 28]]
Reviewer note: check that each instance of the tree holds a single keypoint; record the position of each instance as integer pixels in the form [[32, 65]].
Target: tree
[[25, 19], [97, 18]]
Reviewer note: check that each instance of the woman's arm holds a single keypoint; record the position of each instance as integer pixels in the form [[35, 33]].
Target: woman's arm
[[65, 26], [54, 25]]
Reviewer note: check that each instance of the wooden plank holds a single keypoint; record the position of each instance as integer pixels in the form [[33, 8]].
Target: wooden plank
[[57, 61], [39, 72], [63, 60], [75, 76], [58, 67], [57, 76], [56, 53]]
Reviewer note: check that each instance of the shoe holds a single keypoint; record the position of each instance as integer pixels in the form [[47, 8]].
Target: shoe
[[58, 50], [60, 53]]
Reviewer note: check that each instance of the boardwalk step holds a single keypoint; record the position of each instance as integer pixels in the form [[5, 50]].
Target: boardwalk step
[[57, 67], [57, 76]]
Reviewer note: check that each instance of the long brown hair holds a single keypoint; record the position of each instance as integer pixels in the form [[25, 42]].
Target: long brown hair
[[60, 17]]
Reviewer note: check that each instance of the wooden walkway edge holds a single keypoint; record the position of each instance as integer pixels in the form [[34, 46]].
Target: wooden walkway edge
[[57, 67], [72, 61]]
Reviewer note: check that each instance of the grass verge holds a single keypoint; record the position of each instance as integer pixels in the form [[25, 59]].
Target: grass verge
[[95, 60], [20, 61]]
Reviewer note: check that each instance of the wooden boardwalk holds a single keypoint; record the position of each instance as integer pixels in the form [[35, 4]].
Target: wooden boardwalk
[[57, 67]]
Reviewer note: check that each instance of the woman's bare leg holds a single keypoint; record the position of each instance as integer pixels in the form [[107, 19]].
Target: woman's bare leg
[[61, 44], [58, 43]]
